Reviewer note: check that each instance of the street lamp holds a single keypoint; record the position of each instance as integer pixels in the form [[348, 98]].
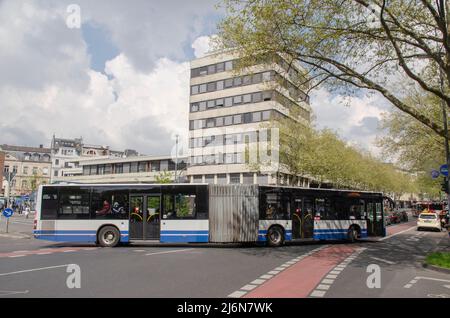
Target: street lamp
[[176, 159]]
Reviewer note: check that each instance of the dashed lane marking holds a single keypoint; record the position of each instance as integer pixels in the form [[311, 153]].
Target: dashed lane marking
[[328, 281], [271, 274]]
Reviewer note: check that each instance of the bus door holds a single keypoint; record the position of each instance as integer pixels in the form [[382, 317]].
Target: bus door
[[375, 219], [297, 219], [144, 216], [308, 218]]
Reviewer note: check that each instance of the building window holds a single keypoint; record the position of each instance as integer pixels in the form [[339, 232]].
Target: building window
[[118, 168], [56, 162], [25, 170], [228, 65], [235, 178], [24, 184], [35, 170]]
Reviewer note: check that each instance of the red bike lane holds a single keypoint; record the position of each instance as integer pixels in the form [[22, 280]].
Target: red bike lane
[[300, 279]]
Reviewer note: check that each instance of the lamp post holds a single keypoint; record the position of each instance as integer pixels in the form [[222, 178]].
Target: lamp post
[[176, 159]]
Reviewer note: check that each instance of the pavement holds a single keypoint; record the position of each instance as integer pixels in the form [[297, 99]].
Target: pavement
[[390, 267]]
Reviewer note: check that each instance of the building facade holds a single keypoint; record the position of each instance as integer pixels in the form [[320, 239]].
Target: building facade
[[67, 154], [228, 115], [134, 169], [31, 166]]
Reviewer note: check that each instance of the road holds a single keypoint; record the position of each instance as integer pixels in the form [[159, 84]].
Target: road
[[31, 268]]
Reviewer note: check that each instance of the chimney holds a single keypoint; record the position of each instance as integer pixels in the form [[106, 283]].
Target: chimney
[[41, 146]]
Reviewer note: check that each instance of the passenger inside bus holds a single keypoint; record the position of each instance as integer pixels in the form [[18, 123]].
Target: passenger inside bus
[[105, 209]]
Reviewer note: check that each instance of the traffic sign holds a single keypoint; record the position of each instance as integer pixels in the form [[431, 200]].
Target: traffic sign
[[7, 212], [435, 174], [444, 170]]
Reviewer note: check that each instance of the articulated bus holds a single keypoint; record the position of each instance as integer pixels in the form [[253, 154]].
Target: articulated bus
[[112, 214]]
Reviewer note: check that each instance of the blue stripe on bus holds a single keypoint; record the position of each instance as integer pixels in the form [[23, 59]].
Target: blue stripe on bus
[[184, 232], [54, 232], [184, 236], [72, 235]]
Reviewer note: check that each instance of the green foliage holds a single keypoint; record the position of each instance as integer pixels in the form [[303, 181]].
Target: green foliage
[[348, 45], [416, 147], [164, 177], [440, 259]]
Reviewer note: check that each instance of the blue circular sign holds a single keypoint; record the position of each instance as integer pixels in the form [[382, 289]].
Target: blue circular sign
[[8, 212], [444, 170]]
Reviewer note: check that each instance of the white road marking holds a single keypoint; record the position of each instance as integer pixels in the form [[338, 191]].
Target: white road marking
[[33, 270], [248, 287], [323, 287], [392, 235], [327, 281], [331, 276], [237, 294], [11, 292], [274, 272], [317, 293], [67, 251], [43, 253], [266, 276], [258, 281], [13, 256], [169, 252], [432, 278], [383, 260]]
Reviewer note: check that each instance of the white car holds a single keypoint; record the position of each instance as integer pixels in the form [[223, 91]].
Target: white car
[[429, 221]]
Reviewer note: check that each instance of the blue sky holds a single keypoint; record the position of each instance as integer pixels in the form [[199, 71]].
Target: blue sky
[[122, 79]]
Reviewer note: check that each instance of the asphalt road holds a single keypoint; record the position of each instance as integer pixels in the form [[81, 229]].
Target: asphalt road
[[32, 268]]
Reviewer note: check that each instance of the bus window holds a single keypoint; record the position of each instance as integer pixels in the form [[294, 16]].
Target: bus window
[[185, 205], [109, 204], [323, 209], [277, 207], [49, 205], [178, 206], [74, 204]]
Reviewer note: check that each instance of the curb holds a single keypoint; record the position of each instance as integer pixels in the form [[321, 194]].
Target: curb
[[436, 268]]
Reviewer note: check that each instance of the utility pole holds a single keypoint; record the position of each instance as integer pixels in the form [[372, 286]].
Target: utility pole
[[176, 159], [445, 120]]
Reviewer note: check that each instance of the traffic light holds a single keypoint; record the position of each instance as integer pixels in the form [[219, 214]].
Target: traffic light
[[444, 186]]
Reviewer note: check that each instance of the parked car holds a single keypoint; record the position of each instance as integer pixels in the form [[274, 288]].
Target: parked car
[[394, 217], [404, 216], [429, 221]]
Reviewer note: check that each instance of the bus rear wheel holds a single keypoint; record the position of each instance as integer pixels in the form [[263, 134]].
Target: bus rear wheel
[[275, 236], [108, 236]]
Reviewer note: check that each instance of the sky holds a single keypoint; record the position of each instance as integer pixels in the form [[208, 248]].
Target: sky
[[122, 77]]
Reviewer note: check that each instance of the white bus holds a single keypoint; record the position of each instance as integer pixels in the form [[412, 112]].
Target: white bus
[[112, 214]]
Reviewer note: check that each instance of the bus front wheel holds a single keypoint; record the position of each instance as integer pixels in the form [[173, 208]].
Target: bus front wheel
[[109, 236], [275, 236]]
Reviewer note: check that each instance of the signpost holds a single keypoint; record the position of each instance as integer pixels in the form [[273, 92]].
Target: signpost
[[7, 213]]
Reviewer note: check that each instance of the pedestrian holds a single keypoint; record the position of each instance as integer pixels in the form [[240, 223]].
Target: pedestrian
[[27, 211]]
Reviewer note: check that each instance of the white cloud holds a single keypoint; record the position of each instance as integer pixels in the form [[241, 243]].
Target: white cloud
[[202, 45], [355, 118]]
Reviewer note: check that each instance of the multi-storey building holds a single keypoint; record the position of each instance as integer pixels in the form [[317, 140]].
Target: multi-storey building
[[135, 169], [67, 153], [31, 166], [229, 111]]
